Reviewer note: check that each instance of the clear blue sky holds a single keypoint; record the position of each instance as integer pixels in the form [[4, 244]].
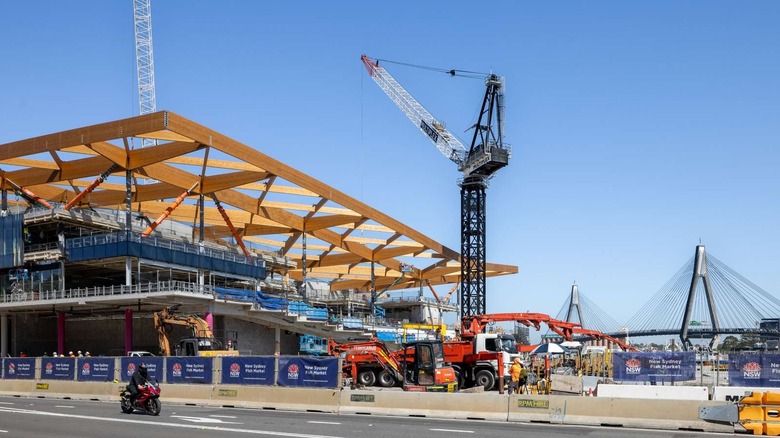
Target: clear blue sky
[[637, 128]]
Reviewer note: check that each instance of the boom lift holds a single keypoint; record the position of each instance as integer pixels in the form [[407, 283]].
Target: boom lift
[[202, 342], [486, 155]]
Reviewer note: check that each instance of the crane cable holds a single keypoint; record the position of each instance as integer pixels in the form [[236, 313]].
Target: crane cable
[[452, 72]]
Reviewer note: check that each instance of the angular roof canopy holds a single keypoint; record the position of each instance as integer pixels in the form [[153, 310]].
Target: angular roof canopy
[[272, 205]]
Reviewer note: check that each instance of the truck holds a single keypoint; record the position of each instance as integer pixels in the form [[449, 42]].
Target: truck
[[201, 343], [476, 372], [419, 366]]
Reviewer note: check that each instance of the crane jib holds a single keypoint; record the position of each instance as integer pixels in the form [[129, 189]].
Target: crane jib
[[429, 130]]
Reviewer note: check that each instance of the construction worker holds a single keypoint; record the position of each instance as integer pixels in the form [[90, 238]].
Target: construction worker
[[516, 372]]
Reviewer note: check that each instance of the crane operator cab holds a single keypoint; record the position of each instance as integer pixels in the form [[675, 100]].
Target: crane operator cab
[[425, 370]]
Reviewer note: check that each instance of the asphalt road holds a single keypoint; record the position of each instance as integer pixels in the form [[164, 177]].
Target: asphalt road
[[47, 418]]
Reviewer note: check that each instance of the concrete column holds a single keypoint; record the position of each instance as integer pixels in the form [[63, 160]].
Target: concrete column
[[277, 341], [60, 333], [209, 317], [128, 330], [4, 335], [128, 271]]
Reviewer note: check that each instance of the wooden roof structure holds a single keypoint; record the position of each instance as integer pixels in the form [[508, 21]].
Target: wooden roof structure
[[271, 205]]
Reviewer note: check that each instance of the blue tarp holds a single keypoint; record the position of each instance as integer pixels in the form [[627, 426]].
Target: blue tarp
[[308, 311]]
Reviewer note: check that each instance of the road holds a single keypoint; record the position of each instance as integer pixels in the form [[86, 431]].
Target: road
[[45, 418]]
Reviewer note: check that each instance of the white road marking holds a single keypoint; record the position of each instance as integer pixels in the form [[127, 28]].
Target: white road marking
[[323, 422], [62, 406], [452, 430], [223, 416], [202, 420], [147, 424], [3, 431], [7, 403]]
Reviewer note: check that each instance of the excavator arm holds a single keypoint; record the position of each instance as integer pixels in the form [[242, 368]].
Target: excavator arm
[[164, 319]]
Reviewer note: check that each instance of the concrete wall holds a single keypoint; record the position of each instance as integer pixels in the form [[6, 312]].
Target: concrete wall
[[257, 339], [36, 334]]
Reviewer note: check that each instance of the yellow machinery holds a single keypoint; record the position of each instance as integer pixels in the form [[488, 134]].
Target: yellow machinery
[[439, 329], [202, 342]]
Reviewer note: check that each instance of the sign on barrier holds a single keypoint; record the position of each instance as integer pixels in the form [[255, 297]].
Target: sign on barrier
[[654, 367], [58, 368], [189, 369], [153, 364], [757, 370], [248, 370], [95, 369], [308, 371], [19, 368]]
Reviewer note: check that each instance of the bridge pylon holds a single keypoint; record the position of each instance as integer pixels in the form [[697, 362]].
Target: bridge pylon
[[699, 272], [574, 305]]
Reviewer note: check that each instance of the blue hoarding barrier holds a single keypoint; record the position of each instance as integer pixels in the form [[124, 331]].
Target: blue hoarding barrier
[[153, 364], [19, 368], [189, 370], [95, 369], [58, 368], [755, 370], [308, 372], [247, 370], [654, 367]]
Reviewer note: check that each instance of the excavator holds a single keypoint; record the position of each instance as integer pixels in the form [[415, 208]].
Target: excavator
[[202, 342], [418, 367]]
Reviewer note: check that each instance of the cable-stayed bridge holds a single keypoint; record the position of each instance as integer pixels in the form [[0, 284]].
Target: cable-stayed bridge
[[703, 300]]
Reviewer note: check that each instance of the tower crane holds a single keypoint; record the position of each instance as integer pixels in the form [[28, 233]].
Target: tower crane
[[485, 156], [144, 59]]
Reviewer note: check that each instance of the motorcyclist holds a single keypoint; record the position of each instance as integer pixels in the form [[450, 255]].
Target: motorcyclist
[[140, 378]]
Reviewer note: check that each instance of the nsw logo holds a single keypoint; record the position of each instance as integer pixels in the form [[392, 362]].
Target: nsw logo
[[633, 366], [235, 370], [11, 368], [293, 372], [49, 368], [176, 370], [130, 369], [85, 369], [751, 370]]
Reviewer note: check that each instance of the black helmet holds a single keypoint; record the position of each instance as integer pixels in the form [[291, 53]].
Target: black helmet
[[142, 370]]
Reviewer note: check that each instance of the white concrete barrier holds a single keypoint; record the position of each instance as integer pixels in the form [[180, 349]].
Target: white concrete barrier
[[483, 406], [595, 411], [653, 392], [734, 393]]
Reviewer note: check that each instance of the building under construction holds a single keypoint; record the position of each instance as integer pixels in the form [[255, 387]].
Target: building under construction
[[99, 231]]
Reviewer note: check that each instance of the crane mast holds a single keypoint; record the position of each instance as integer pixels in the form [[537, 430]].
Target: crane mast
[[147, 102], [485, 156]]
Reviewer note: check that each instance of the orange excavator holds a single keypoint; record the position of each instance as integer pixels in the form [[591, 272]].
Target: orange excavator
[[202, 342], [418, 367]]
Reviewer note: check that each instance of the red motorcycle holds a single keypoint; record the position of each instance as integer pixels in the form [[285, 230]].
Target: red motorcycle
[[148, 399]]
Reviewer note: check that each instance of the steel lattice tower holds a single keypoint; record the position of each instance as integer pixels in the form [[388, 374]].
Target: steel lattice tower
[[147, 101]]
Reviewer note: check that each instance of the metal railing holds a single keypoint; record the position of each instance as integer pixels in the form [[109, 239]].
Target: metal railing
[[102, 291], [159, 242]]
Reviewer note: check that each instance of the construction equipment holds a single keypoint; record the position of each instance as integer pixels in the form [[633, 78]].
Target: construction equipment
[[418, 367], [757, 412], [202, 342], [485, 156], [439, 330]]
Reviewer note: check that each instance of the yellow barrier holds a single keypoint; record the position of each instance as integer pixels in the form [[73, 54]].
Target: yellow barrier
[[759, 413]]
